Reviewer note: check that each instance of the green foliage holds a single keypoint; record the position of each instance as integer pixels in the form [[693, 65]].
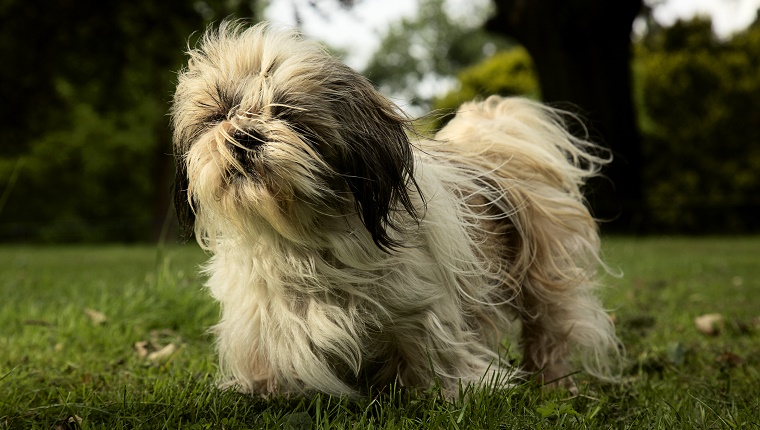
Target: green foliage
[[418, 53], [85, 146], [506, 73], [86, 151], [699, 102], [95, 170], [59, 365]]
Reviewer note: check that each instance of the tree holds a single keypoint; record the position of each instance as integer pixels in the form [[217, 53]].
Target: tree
[[86, 88], [418, 54], [581, 51], [700, 103], [506, 73]]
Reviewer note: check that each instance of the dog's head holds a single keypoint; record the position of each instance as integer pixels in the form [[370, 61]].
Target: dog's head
[[269, 127]]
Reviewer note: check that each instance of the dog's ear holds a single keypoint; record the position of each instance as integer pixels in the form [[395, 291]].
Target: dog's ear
[[185, 213], [376, 160]]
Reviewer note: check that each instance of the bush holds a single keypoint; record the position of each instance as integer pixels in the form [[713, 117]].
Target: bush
[[700, 122], [90, 180], [506, 73], [698, 102]]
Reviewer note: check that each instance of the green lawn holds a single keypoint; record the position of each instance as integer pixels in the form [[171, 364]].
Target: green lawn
[[74, 321]]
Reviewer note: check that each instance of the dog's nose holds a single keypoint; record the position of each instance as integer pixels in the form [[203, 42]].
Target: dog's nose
[[243, 144], [248, 139]]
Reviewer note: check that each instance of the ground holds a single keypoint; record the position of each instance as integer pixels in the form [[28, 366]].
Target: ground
[[116, 337]]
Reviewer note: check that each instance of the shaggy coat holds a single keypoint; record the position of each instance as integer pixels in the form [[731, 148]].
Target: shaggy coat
[[348, 253]]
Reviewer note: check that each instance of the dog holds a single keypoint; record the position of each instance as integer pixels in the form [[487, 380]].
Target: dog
[[350, 253]]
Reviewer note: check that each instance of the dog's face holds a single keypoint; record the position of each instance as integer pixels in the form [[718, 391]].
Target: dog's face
[[270, 129]]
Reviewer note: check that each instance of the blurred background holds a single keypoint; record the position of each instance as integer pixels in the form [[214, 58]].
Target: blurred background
[[671, 87]]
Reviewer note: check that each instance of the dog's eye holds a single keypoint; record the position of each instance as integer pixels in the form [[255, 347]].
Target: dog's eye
[[216, 119]]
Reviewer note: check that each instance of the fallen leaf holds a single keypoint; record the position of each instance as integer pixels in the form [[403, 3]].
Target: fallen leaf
[[163, 354], [72, 422], [709, 324], [142, 348], [96, 317]]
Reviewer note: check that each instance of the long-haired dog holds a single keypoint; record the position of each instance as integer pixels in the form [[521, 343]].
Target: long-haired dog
[[348, 254]]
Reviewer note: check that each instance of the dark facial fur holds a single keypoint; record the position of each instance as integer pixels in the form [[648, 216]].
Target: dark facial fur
[[324, 105]]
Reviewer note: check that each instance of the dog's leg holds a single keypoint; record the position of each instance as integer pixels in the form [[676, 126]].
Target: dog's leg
[[242, 366], [545, 341], [555, 264]]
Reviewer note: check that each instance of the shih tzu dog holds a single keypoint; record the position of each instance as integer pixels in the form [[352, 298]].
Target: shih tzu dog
[[349, 253]]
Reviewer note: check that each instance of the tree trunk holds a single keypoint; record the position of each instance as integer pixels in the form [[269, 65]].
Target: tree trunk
[[581, 50]]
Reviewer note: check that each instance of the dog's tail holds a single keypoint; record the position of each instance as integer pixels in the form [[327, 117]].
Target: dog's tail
[[536, 171], [532, 135]]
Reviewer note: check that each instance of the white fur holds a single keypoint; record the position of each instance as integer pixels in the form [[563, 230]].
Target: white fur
[[311, 302]]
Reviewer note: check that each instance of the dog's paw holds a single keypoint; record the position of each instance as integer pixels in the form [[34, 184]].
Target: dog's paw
[[565, 382]]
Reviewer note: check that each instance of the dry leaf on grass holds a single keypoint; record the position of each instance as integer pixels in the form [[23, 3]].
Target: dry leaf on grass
[[142, 348], [72, 422], [96, 317], [163, 354], [709, 324], [163, 344]]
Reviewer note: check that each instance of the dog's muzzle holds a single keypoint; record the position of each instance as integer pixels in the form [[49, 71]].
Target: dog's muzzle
[[244, 144]]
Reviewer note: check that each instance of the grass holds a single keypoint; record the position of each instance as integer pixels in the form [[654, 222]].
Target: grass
[[74, 319]]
